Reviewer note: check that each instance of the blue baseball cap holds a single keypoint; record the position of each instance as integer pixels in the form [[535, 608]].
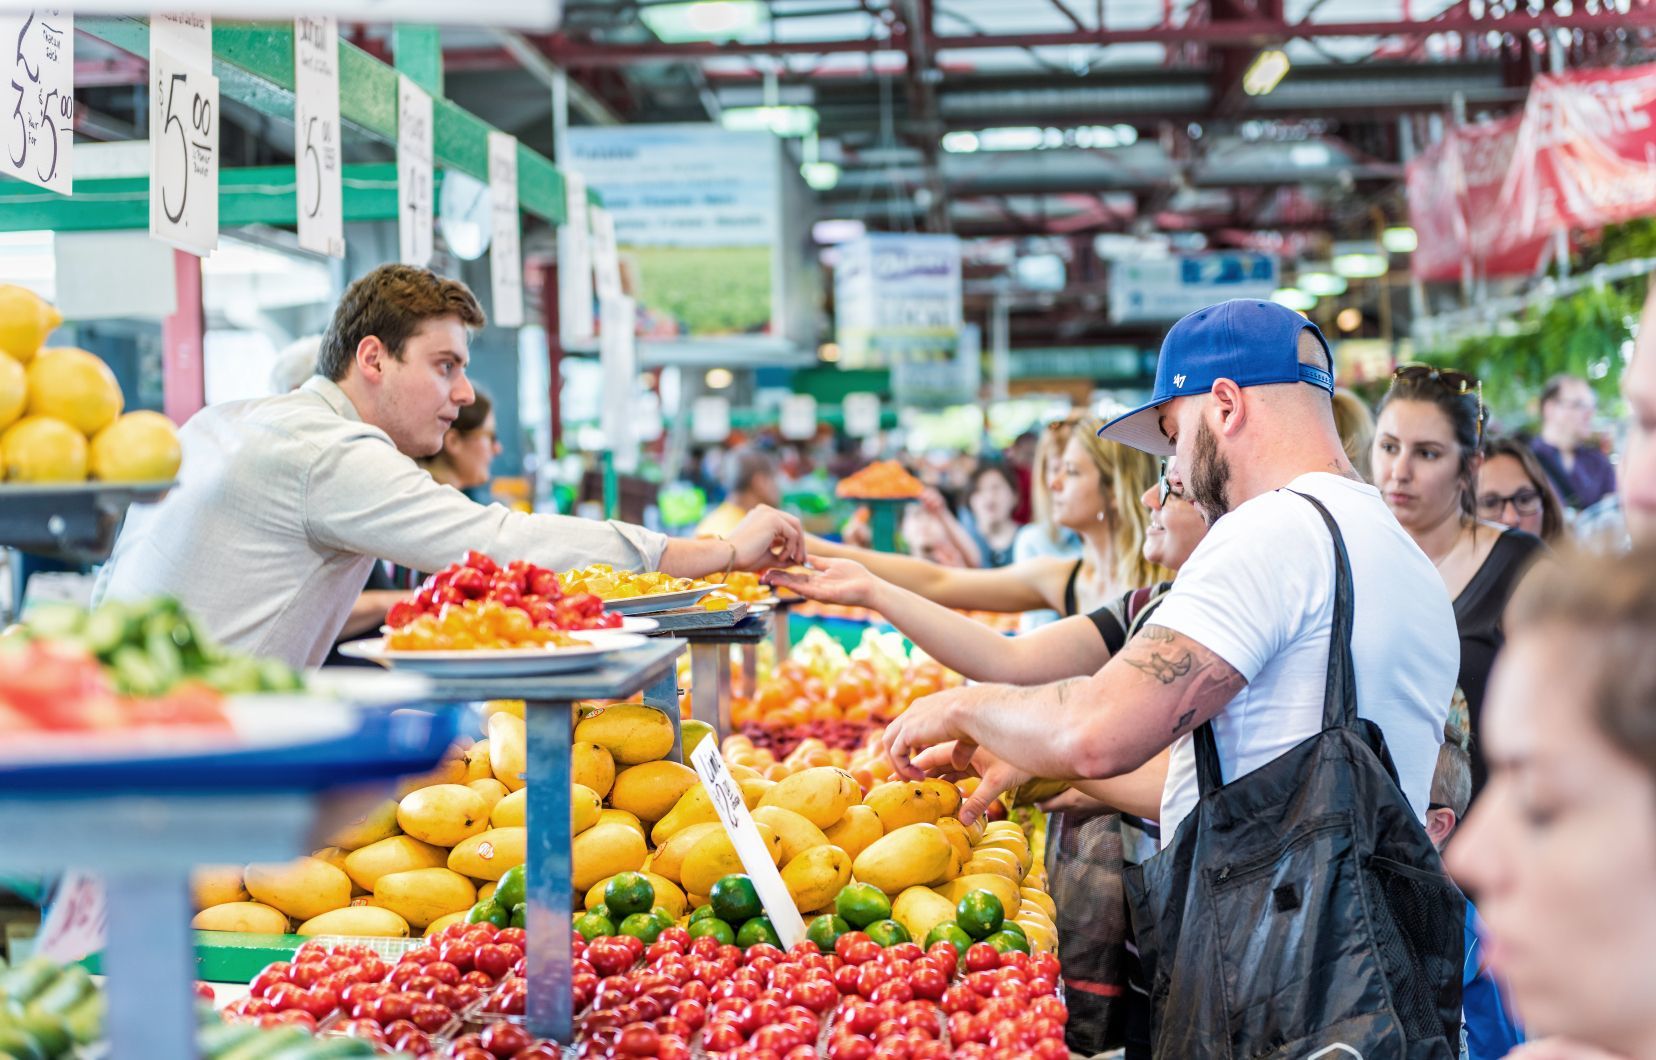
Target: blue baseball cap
[[1250, 342]]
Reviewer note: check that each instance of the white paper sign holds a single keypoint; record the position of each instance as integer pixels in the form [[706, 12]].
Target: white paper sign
[[710, 419], [184, 156], [618, 359], [798, 419], [505, 251], [750, 845], [575, 266], [414, 180], [37, 47], [74, 927], [862, 414], [185, 37], [606, 257], [316, 145]]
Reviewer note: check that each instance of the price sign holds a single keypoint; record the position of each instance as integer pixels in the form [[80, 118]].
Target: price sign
[[798, 419], [184, 157], [75, 922], [750, 845], [575, 266], [38, 48], [414, 181], [316, 135], [710, 419], [505, 251], [618, 358], [606, 256], [862, 414], [185, 37]]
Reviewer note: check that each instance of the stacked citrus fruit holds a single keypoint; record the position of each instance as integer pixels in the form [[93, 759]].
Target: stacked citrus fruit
[[60, 409], [882, 480]]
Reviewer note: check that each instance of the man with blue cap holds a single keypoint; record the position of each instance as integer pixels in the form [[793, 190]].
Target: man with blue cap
[[1243, 398]]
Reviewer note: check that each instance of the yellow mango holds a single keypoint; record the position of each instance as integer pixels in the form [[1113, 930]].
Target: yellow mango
[[650, 790], [916, 854], [442, 814], [400, 853], [946, 794], [512, 810], [252, 917], [1018, 848], [373, 826], [212, 885], [816, 876], [668, 859], [1004, 890], [360, 921], [714, 857], [508, 749], [903, 802], [1042, 937], [974, 831], [1001, 864], [667, 894], [301, 888], [856, 831], [693, 732], [623, 817], [632, 732], [487, 855], [444, 921], [477, 762], [420, 896], [491, 789], [448, 771], [584, 808], [695, 806], [919, 909], [821, 794], [485, 892], [1037, 897], [753, 790], [604, 850], [797, 834], [956, 832], [513, 707], [332, 855], [592, 765], [739, 772]]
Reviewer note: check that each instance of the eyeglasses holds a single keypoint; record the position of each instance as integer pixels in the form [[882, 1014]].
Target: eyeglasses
[[1526, 501], [1164, 488], [1457, 383]]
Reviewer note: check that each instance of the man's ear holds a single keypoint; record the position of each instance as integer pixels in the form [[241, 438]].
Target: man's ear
[[1227, 406], [371, 356], [1440, 825]]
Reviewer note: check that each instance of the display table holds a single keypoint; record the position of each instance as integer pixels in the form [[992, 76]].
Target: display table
[[710, 686], [76, 523]]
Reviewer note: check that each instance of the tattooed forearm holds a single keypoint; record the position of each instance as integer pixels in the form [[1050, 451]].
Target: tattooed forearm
[[1184, 721], [1200, 681], [1164, 668]]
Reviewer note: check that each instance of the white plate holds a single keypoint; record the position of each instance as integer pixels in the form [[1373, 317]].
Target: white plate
[[644, 605], [368, 687], [498, 662]]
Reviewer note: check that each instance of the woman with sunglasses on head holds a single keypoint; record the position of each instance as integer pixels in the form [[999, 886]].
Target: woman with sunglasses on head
[[1513, 490], [1426, 459]]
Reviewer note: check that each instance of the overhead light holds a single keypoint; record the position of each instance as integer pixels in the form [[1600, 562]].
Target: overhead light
[[718, 378], [1294, 298], [1322, 284], [1399, 240], [1310, 156], [960, 143], [837, 230], [821, 176], [1349, 319], [829, 352], [1360, 261], [1039, 138], [1265, 72], [792, 120], [705, 20]]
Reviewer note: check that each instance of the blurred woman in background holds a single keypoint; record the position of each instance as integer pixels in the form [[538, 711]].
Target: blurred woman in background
[[1513, 490]]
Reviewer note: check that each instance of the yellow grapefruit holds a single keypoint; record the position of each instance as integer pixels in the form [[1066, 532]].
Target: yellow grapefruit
[[42, 449], [14, 391], [138, 447], [25, 321], [75, 387]]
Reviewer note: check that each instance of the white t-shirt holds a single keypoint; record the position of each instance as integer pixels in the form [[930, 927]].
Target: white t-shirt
[[1259, 593]]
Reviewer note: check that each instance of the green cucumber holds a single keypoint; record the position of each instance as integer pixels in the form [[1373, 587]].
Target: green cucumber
[[266, 1045], [215, 1041], [19, 1043], [86, 1020], [71, 985], [326, 1049], [48, 1031], [27, 981]]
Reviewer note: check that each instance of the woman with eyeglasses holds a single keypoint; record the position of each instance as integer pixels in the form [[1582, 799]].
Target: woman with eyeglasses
[[469, 447], [1426, 460], [1513, 490]]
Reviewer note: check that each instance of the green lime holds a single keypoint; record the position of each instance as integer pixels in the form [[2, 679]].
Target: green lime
[[713, 927], [702, 912], [949, 932], [628, 893], [510, 890], [665, 915], [757, 929], [861, 904], [520, 915], [1015, 928], [1006, 941], [888, 932], [825, 930], [734, 899], [980, 914], [604, 911], [592, 924], [643, 927], [491, 911]]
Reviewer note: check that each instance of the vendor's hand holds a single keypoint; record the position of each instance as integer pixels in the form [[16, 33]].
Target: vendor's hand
[[767, 538], [928, 721], [1559, 1049], [830, 581]]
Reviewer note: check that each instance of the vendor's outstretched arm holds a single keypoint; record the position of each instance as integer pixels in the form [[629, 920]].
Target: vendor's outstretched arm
[[1026, 586]]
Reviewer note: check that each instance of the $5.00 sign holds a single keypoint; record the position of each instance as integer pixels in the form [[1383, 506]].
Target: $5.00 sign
[[184, 157], [36, 46]]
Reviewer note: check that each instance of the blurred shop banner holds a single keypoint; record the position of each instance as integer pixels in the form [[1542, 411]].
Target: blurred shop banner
[[39, 58], [1165, 290], [618, 357], [541, 15], [897, 298], [1582, 155], [921, 380]]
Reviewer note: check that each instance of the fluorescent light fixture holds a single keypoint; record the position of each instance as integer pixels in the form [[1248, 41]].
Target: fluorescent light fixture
[[1038, 138], [718, 378], [1266, 72], [829, 352], [705, 20], [1294, 298], [837, 230], [1310, 156], [1360, 260], [821, 176], [1322, 284], [960, 143], [1399, 240], [787, 121], [1349, 319]]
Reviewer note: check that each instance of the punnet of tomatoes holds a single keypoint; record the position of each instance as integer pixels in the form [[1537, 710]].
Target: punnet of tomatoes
[[518, 585]]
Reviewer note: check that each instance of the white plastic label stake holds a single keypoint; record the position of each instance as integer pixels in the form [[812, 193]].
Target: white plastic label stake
[[505, 254], [37, 48], [316, 135], [74, 926], [414, 187], [187, 37], [184, 155], [750, 845]]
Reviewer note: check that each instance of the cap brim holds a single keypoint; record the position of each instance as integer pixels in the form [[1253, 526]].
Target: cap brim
[[1140, 429]]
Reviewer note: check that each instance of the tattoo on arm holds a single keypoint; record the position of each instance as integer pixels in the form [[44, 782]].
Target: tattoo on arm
[[1204, 684], [1164, 668]]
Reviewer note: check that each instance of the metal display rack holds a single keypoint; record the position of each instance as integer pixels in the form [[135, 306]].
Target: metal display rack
[[76, 522]]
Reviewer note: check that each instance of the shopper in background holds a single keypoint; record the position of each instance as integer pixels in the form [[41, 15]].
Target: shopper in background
[[1043, 535], [284, 502], [991, 496], [295, 363], [1355, 423], [1023, 457], [1560, 850], [753, 483], [1566, 448], [1514, 491], [931, 532], [469, 447], [1426, 456], [1637, 480]]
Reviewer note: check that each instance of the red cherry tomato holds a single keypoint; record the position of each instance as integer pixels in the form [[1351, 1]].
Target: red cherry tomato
[[459, 953], [504, 1039], [285, 996], [982, 957], [850, 1047], [493, 960], [478, 979], [721, 1037], [319, 1001], [442, 971]]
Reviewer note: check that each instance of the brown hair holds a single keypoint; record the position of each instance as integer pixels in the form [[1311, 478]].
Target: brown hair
[[1610, 601], [1552, 512], [391, 303], [1465, 414]]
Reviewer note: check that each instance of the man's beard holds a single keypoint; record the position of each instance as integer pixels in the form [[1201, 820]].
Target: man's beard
[[1209, 475]]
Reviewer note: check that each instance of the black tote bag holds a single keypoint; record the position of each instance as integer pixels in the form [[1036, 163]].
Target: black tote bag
[[1301, 911]]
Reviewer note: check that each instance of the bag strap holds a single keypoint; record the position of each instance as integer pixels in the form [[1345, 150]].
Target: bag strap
[[1340, 691]]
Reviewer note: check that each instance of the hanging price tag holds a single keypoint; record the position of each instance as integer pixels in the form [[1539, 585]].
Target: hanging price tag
[[414, 180], [185, 37], [710, 419], [862, 414], [575, 266], [798, 419], [37, 47], [606, 256], [184, 157], [316, 148], [75, 921], [505, 252], [749, 844]]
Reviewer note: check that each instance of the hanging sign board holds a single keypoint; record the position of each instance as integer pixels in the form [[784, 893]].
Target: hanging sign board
[[184, 157], [37, 48], [606, 258], [74, 927], [862, 414], [185, 37], [316, 135], [541, 15], [414, 180], [798, 418], [575, 266], [710, 419], [618, 358], [505, 251], [726, 795]]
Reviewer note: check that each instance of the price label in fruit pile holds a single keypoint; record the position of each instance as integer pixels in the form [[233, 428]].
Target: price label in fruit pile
[[316, 135], [726, 796], [414, 180], [37, 46], [184, 157]]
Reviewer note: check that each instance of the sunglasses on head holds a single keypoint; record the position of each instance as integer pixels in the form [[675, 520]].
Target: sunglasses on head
[[1458, 383]]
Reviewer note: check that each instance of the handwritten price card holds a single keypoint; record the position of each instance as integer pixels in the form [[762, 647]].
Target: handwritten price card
[[184, 155], [414, 152], [316, 135], [37, 46]]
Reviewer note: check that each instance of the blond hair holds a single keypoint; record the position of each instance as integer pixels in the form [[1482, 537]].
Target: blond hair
[[1125, 474], [1355, 423], [1049, 448]]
